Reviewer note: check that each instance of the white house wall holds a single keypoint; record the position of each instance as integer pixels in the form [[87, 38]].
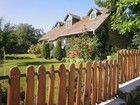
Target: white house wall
[[63, 43]]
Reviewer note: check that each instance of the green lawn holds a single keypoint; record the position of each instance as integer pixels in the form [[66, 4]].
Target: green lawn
[[24, 60]]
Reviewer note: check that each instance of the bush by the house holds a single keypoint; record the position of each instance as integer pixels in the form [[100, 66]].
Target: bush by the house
[[85, 46], [58, 51], [45, 50], [35, 49]]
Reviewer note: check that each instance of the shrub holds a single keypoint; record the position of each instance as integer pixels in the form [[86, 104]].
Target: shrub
[[45, 50], [85, 46], [58, 51], [35, 49]]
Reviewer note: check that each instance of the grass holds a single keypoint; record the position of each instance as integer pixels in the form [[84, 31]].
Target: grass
[[24, 60]]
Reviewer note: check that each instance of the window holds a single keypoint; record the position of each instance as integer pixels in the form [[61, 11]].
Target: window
[[69, 23], [92, 16]]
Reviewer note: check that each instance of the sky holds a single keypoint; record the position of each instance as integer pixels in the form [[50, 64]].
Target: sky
[[42, 14]]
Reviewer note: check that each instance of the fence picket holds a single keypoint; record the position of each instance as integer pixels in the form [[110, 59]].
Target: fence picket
[[111, 77], [128, 66], [71, 85], [102, 77], [137, 63], [13, 97], [0, 95], [109, 80], [29, 95], [87, 84], [62, 85], [79, 84], [114, 83], [131, 67], [51, 85], [105, 65], [121, 66], [41, 91], [94, 83], [99, 82]]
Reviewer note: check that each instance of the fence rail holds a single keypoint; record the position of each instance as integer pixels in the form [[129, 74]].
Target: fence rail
[[97, 82]]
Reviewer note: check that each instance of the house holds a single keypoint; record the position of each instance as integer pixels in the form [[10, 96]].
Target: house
[[96, 22]]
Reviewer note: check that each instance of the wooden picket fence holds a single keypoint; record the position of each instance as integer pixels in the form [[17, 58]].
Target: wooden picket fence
[[129, 64], [101, 81]]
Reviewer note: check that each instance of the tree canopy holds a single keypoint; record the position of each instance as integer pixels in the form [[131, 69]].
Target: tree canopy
[[125, 16], [18, 38]]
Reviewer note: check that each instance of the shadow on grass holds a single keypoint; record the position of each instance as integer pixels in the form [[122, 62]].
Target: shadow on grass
[[38, 63], [16, 58]]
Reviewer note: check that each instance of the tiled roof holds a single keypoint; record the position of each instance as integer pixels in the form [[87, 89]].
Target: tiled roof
[[79, 27]]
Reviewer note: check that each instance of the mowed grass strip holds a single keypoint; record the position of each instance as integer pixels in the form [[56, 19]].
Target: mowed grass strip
[[24, 60]]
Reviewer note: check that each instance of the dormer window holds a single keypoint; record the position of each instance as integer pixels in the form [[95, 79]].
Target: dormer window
[[92, 16], [69, 23], [71, 19], [59, 24], [93, 13]]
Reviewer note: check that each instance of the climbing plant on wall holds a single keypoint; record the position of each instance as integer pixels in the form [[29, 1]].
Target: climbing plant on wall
[[86, 46]]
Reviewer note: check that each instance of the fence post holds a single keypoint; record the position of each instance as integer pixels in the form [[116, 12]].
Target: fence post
[[13, 95], [51, 85], [41, 91], [87, 84], [62, 85], [71, 85], [29, 95], [79, 83]]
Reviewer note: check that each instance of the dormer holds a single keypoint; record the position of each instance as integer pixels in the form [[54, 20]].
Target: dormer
[[59, 24], [71, 19], [93, 13]]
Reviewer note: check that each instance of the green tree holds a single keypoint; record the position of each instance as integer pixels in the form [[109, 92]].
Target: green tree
[[58, 51], [18, 38], [125, 16], [45, 50], [27, 35], [7, 37]]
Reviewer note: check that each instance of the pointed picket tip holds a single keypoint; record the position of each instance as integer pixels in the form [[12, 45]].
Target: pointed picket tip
[[62, 67], [14, 71], [88, 64], [30, 70], [72, 67], [41, 69], [51, 69], [80, 66]]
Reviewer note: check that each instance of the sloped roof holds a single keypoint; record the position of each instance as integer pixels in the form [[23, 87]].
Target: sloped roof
[[73, 16], [79, 27], [93, 9], [61, 23]]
